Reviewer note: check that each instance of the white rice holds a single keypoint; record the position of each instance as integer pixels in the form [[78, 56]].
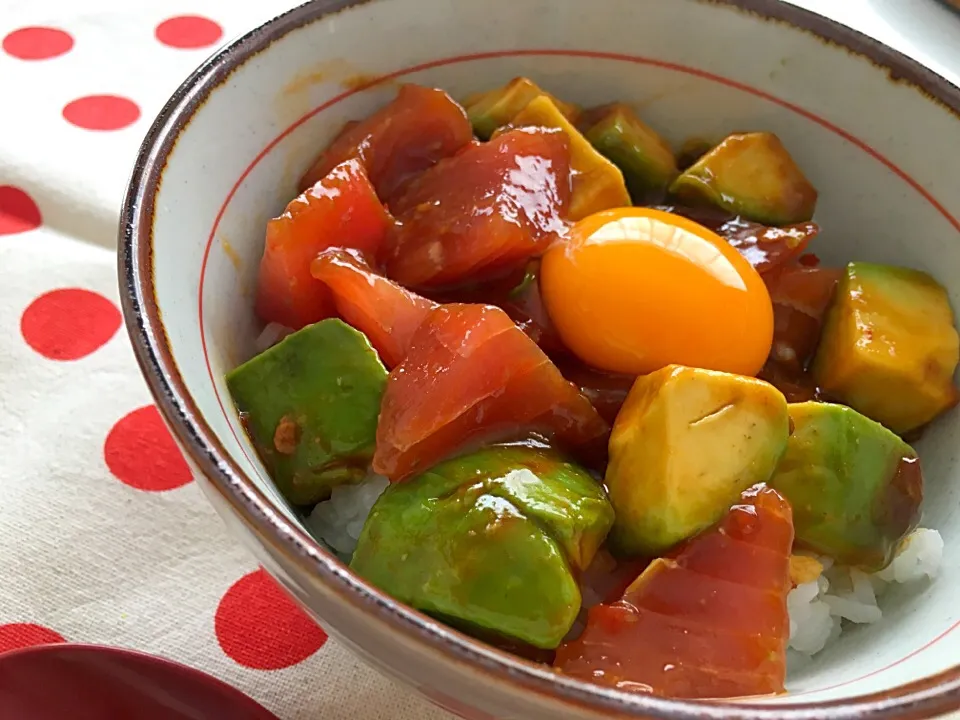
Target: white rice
[[819, 609], [339, 520]]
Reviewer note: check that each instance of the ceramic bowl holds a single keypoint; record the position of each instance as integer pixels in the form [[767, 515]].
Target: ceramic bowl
[[876, 133]]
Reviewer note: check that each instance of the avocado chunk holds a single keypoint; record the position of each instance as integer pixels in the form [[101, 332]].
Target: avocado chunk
[[489, 541], [889, 346], [598, 184], [684, 446], [491, 110], [310, 405], [855, 487], [644, 158], [753, 175]]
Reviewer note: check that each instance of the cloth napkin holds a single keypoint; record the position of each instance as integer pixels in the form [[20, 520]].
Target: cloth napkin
[[104, 537]]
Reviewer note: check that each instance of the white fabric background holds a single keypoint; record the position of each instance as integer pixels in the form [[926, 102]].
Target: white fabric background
[[80, 552]]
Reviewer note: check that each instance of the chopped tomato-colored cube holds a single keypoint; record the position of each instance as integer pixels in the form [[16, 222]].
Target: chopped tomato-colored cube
[[708, 621], [379, 308], [796, 386], [471, 375], [606, 391], [800, 298], [399, 141], [712, 218], [524, 304], [341, 210], [801, 294], [768, 248], [745, 563], [518, 294], [483, 212], [607, 577], [807, 289]]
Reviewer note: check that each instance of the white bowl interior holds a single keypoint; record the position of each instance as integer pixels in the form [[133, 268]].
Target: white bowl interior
[[881, 154]]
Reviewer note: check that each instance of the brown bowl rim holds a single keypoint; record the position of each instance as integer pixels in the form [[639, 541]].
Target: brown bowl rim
[[924, 698]]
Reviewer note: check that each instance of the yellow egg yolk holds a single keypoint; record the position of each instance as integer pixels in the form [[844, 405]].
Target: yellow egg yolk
[[635, 289]]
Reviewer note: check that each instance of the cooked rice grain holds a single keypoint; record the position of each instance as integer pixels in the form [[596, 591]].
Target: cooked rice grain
[[819, 608], [339, 520]]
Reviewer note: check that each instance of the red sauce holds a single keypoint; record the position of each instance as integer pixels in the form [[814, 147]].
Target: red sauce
[[901, 505], [708, 621]]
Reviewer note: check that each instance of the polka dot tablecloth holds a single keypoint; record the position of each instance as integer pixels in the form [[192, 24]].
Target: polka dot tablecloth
[[104, 538]]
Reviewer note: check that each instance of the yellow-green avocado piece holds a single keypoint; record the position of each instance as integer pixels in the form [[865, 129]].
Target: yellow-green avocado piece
[[752, 175], [493, 109], [685, 445], [855, 487], [597, 184], [645, 158], [310, 406], [492, 540], [889, 346]]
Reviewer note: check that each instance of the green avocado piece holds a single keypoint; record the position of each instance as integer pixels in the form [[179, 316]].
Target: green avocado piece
[[855, 487], [753, 175], [310, 405], [489, 540], [686, 443], [889, 346], [646, 160], [492, 110]]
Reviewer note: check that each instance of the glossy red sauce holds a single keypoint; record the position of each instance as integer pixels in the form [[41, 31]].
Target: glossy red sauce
[[387, 313], [341, 210], [482, 213], [707, 621], [472, 375], [398, 142]]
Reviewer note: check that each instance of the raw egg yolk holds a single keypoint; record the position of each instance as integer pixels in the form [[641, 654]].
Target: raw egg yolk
[[636, 289]]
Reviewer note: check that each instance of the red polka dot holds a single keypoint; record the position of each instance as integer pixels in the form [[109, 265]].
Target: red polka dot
[[69, 324], [142, 454], [260, 627], [18, 211], [37, 43], [188, 32], [101, 112], [20, 635]]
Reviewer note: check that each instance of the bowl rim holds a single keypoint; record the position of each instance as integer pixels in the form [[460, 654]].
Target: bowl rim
[[927, 697]]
